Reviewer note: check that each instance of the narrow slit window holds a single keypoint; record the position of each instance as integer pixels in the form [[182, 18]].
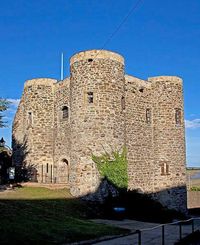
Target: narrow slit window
[[30, 119], [90, 97], [178, 116], [123, 102], [167, 169], [148, 116], [65, 112], [47, 167]]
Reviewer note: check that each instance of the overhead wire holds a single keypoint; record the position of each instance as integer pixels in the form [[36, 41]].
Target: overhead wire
[[133, 8]]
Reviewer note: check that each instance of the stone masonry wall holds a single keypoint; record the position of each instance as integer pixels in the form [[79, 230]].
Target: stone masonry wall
[[18, 134], [106, 110], [38, 126], [193, 199], [169, 142], [97, 126], [62, 133], [139, 136]]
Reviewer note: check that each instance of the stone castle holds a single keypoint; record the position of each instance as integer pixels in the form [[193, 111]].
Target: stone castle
[[61, 123]]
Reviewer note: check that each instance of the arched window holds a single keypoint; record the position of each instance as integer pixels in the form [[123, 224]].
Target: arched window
[[63, 171], [65, 112], [65, 161]]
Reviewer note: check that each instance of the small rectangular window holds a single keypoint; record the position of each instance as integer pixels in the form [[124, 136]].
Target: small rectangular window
[[65, 112], [90, 97], [148, 116], [178, 116], [47, 167], [165, 169]]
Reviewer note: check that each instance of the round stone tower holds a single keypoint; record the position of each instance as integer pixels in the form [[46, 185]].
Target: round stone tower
[[169, 141], [38, 127], [97, 115]]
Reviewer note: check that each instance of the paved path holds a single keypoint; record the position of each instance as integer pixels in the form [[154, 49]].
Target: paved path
[[149, 236]]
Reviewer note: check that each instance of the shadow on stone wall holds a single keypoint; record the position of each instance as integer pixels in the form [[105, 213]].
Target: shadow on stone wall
[[108, 196], [144, 207], [49, 211], [23, 171], [101, 204]]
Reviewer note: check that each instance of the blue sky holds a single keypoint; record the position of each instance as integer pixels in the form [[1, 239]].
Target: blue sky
[[159, 38]]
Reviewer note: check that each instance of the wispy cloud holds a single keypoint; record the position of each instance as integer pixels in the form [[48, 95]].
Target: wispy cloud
[[195, 123], [13, 105], [9, 114], [14, 102]]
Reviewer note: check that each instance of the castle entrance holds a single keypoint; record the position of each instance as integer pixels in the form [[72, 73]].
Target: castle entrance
[[63, 171]]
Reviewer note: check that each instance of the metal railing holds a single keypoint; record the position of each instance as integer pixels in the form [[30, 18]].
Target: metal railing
[[163, 228]]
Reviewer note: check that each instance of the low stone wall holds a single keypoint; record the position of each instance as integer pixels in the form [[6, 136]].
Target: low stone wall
[[193, 199], [49, 186]]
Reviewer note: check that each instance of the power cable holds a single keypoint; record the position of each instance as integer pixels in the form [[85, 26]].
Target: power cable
[[134, 7]]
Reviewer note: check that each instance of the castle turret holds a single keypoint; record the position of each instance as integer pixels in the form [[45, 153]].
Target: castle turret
[[38, 123], [169, 141], [97, 117]]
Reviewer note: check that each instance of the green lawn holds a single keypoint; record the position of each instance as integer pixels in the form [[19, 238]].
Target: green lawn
[[33, 215]]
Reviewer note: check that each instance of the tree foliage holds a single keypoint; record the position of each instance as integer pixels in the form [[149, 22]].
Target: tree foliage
[[4, 104], [113, 166], [195, 188]]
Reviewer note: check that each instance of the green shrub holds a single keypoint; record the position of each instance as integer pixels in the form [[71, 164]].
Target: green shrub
[[113, 166], [195, 188]]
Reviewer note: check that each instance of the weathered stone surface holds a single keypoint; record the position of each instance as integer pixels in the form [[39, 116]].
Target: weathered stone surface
[[61, 123], [193, 199]]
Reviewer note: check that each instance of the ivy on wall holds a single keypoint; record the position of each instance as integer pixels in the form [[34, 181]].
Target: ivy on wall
[[113, 166]]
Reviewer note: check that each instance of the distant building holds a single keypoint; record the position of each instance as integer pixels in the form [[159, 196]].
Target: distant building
[[5, 162], [59, 124]]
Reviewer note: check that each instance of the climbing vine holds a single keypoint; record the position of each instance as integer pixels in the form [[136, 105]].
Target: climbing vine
[[113, 166]]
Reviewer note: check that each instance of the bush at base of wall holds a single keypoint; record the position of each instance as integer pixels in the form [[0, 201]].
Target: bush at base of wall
[[113, 166]]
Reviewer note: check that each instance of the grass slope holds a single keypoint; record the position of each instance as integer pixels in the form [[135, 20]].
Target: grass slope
[[33, 215]]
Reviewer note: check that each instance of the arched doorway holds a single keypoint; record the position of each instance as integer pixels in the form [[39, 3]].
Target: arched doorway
[[63, 171]]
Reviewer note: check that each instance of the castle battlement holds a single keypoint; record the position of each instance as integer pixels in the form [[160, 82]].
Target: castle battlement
[[99, 107], [173, 79], [140, 83], [63, 83], [96, 54], [40, 81]]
